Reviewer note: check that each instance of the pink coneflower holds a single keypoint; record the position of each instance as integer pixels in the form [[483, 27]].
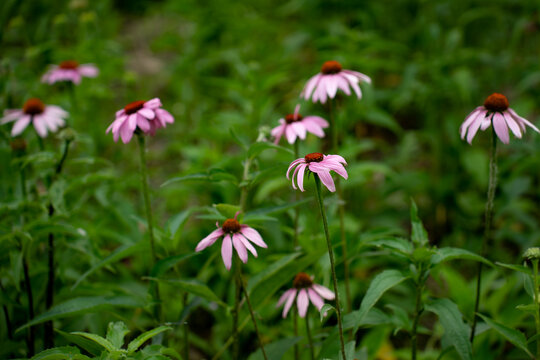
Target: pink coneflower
[[69, 70], [145, 116], [235, 235], [331, 78], [307, 291], [321, 165], [295, 125], [495, 110], [44, 117]]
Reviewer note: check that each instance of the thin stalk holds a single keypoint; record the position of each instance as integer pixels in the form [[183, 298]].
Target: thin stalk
[[186, 329], [296, 210], [49, 298], [310, 339], [332, 262], [295, 324], [537, 312], [488, 220], [252, 313], [236, 309], [341, 207], [9, 328], [417, 312], [28, 287]]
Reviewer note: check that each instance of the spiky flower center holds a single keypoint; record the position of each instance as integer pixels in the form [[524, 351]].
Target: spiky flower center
[[314, 157], [302, 281], [290, 118], [496, 102], [69, 65], [33, 106], [133, 107], [331, 67], [231, 226]]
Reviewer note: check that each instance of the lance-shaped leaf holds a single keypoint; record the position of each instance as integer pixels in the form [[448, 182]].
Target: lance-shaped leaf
[[60, 353], [141, 339], [512, 335], [450, 253], [419, 234]]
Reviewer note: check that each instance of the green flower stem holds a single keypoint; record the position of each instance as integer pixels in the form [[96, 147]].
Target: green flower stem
[[49, 298], [296, 210], [332, 262], [488, 220], [295, 324], [244, 287], [9, 327], [537, 312], [146, 194], [236, 309], [28, 287], [341, 207], [417, 312], [310, 339], [186, 328]]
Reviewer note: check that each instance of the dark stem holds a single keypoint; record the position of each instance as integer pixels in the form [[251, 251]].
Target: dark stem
[[332, 262], [244, 287], [186, 329], [6, 316], [488, 221], [537, 311], [28, 286], [417, 312], [310, 339], [236, 309], [296, 210], [295, 324]]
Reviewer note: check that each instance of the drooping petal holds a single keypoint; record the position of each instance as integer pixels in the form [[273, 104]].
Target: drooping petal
[[320, 91], [331, 85], [153, 103], [289, 303], [209, 240], [473, 128], [311, 84], [302, 301], [293, 164], [326, 179], [125, 132], [165, 116], [11, 115], [253, 236], [240, 248], [343, 84], [318, 120], [512, 124], [300, 176], [501, 129], [88, 70], [324, 292], [248, 245], [337, 158], [353, 81], [285, 296], [313, 127], [359, 75], [315, 299], [469, 120], [20, 125], [143, 123], [226, 251], [522, 120], [290, 133], [486, 122], [147, 113], [39, 125], [299, 129], [278, 132]]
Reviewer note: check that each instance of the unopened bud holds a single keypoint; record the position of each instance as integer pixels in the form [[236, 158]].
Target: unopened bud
[[67, 134], [532, 254]]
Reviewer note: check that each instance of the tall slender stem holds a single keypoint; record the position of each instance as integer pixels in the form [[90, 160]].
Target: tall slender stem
[[488, 220], [310, 339], [146, 194], [332, 262], [537, 312], [295, 325], [417, 312], [9, 328], [252, 313], [28, 287], [186, 328], [296, 209], [236, 309]]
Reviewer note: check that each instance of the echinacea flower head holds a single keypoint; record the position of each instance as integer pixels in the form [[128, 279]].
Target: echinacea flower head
[[144, 116], [331, 79], [69, 70], [497, 111], [295, 125], [45, 118], [234, 234], [304, 290], [321, 165]]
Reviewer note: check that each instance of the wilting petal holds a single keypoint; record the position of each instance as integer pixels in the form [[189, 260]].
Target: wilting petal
[[252, 235], [324, 292], [289, 303], [209, 240], [226, 251], [501, 129], [315, 299], [240, 248], [302, 301]]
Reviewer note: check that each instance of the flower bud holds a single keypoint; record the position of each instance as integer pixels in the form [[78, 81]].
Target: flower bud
[[532, 254]]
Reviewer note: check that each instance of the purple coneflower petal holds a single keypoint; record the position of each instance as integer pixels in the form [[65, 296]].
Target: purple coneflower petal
[[501, 129], [20, 125], [321, 91], [522, 120], [313, 128], [253, 236], [299, 129], [302, 301], [293, 164], [164, 116], [326, 179], [469, 120], [132, 122], [332, 85], [512, 124], [291, 135], [125, 132], [324, 292], [315, 299], [240, 248], [226, 251], [317, 120], [473, 128], [485, 123], [88, 70], [337, 158], [359, 75], [300, 176], [209, 240], [39, 125], [247, 244], [142, 122], [11, 115], [289, 303], [311, 84], [284, 297], [147, 113], [343, 84]]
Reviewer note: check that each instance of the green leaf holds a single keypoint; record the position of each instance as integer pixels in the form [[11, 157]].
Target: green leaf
[[419, 234], [175, 222], [379, 285], [141, 339], [118, 254], [324, 310], [98, 340], [84, 305], [514, 336], [529, 308], [56, 196], [60, 353], [165, 264], [197, 176], [212, 175], [258, 147], [192, 286], [274, 209], [276, 349], [519, 268], [227, 210], [116, 332], [399, 245], [84, 343], [449, 253], [456, 331]]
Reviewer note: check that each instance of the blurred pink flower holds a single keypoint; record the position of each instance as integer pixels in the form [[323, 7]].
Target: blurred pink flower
[[235, 235], [43, 117], [69, 70], [495, 110], [294, 125], [321, 165], [331, 78], [145, 116], [307, 291]]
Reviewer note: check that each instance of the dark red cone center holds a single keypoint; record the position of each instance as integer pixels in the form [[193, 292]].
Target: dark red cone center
[[33, 106], [314, 157], [133, 107], [496, 102], [69, 64], [231, 226], [331, 67], [302, 281], [290, 118]]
